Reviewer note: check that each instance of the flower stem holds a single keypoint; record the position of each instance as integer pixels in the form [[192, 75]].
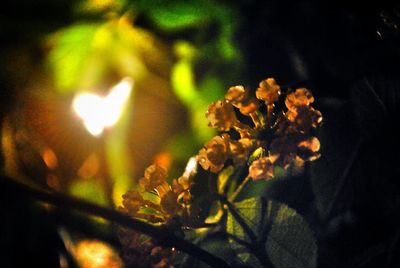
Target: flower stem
[[244, 130], [270, 113], [256, 120], [239, 189]]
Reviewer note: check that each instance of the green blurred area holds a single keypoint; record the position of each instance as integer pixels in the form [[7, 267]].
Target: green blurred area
[[160, 45], [176, 52]]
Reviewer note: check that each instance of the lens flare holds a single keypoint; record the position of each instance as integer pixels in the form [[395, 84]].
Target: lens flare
[[96, 254], [98, 113]]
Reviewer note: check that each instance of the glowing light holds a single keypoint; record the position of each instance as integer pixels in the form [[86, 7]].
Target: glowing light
[[98, 113], [96, 254], [50, 158], [163, 159], [191, 167]]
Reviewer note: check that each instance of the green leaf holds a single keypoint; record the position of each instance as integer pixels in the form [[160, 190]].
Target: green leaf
[[286, 236], [223, 178], [290, 242], [66, 60], [211, 88], [255, 189], [174, 15], [250, 210], [182, 78]]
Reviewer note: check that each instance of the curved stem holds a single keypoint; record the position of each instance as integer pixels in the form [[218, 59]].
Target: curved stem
[[256, 120], [270, 113], [239, 189], [244, 130], [342, 180], [162, 235]]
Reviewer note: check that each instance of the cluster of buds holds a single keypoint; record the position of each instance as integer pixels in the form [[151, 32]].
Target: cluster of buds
[[284, 132], [221, 148], [141, 251], [172, 202], [170, 205]]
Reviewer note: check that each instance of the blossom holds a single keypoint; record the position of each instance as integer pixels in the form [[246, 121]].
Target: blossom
[[236, 95], [288, 148], [262, 168], [215, 153], [283, 126], [172, 208], [221, 115], [304, 117], [132, 202], [268, 91], [239, 150], [169, 203], [249, 106], [154, 176], [181, 187], [162, 257], [309, 149], [301, 97], [140, 251], [181, 184], [284, 149], [284, 135]]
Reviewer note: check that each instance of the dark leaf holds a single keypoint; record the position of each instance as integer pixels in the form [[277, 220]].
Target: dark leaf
[[288, 240]]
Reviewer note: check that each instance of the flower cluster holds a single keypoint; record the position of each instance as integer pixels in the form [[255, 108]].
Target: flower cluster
[[280, 135], [141, 251], [221, 148], [172, 200], [170, 206], [283, 129]]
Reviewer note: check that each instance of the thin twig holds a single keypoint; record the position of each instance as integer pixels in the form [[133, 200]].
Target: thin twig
[[162, 235], [239, 189], [378, 99], [342, 179]]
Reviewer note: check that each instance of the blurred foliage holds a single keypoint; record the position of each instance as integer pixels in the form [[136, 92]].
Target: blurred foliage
[[90, 190], [210, 51], [113, 48]]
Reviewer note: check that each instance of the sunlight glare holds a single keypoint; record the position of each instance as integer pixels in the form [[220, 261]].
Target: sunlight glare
[[96, 254], [98, 112]]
